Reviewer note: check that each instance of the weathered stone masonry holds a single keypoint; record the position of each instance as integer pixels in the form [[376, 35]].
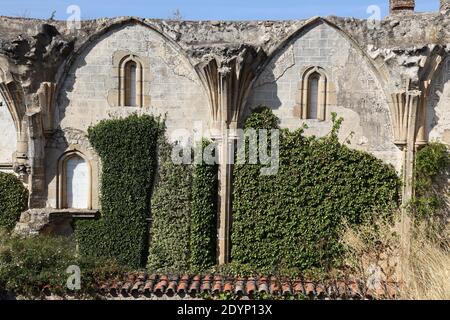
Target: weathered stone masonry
[[389, 81]]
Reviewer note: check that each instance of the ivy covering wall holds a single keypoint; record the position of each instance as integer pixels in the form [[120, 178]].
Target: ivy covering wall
[[170, 213], [13, 200], [430, 202], [292, 220], [128, 151], [183, 233], [204, 215]]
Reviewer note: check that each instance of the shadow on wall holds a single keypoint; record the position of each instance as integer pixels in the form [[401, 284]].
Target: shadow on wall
[[438, 102], [265, 87], [68, 82], [268, 89]]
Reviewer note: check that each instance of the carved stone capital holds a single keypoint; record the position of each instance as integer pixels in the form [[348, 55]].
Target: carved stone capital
[[46, 101], [404, 112]]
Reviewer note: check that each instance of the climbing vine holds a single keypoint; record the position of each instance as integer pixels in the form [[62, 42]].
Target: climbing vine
[[431, 176], [128, 151], [183, 232], [170, 213], [204, 218], [293, 219]]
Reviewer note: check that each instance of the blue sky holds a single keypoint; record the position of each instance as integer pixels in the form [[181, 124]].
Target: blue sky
[[202, 9]]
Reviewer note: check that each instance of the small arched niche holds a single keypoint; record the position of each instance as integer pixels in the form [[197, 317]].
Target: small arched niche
[[74, 181], [131, 82], [313, 94]]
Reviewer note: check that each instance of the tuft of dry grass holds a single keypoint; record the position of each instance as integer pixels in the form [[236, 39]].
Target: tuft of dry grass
[[401, 251]]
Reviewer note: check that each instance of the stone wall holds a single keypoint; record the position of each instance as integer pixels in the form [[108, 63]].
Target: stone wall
[[8, 136], [213, 73], [357, 95], [438, 111], [173, 86]]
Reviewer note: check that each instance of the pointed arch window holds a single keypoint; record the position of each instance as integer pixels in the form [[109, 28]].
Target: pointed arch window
[[131, 82], [74, 180], [314, 94]]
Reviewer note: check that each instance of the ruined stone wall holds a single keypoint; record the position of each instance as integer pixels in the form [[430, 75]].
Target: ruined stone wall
[[8, 136], [438, 107], [173, 86], [366, 65], [356, 93], [89, 90]]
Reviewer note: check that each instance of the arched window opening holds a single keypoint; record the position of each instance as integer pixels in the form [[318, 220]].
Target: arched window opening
[[75, 183], [130, 84], [313, 96]]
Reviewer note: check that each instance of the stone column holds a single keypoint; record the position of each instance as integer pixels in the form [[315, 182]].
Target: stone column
[[225, 168], [404, 115], [422, 136], [228, 81], [226, 147], [36, 154], [412, 103], [401, 6]]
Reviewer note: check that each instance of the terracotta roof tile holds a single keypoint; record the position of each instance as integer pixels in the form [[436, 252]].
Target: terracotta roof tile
[[263, 285], [228, 287], [172, 288], [183, 285], [309, 288], [195, 285], [239, 287], [141, 284], [286, 288], [206, 285], [161, 286], [320, 290], [274, 286], [217, 287], [250, 286], [298, 287]]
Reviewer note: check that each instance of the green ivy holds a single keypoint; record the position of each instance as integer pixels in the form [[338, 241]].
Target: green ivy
[[183, 233], [292, 220], [203, 233], [13, 200], [171, 210], [128, 151], [431, 174]]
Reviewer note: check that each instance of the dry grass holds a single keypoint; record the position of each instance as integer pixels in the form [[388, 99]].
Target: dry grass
[[404, 252]]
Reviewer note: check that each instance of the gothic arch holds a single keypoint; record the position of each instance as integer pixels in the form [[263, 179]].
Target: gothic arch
[[379, 71], [322, 95], [62, 192], [435, 101], [13, 95], [377, 68], [94, 38]]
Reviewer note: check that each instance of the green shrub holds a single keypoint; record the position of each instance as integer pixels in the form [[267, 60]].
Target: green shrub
[[128, 151], [13, 200], [29, 264], [203, 233], [293, 220], [431, 181], [170, 211]]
